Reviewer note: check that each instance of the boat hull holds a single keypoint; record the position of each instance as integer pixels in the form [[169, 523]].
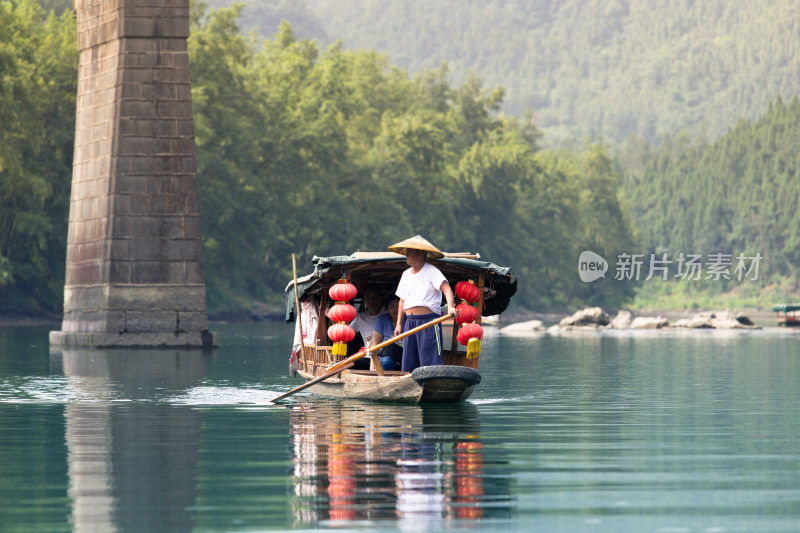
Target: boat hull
[[439, 384]]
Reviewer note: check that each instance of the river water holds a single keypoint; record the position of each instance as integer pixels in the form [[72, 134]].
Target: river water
[[661, 432]]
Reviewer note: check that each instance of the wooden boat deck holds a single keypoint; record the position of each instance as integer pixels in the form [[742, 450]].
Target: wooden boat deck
[[393, 385]]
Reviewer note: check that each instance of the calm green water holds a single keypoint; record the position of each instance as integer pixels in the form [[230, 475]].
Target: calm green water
[[660, 432]]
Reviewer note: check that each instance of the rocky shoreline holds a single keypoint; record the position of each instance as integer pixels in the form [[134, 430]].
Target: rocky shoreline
[[587, 319], [593, 319]]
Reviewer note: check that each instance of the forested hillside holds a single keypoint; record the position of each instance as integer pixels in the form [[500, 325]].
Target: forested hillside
[[738, 194], [315, 152], [323, 150], [584, 67]]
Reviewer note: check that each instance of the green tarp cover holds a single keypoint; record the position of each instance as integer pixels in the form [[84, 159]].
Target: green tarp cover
[[786, 307], [493, 306]]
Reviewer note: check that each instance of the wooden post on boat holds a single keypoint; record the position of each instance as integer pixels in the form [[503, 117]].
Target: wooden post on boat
[[479, 320], [376, 362], [454, 337], [323, 302], [298, 313], [298, 310], [462, 255]]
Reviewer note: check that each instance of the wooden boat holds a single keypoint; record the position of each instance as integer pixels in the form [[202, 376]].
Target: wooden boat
[[453, 381], [787, 314]]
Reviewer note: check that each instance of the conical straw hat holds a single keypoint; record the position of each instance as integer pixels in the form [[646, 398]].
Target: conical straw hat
[[418, 242]]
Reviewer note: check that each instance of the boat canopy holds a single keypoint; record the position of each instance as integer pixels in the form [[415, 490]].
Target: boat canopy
[[786, 308], [383, 269]]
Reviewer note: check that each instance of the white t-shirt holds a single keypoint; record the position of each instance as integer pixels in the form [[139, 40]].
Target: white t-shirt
[[422, 288], [364, 323]]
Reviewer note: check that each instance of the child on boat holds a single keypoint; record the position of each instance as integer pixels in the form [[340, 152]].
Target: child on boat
[[390, 356]]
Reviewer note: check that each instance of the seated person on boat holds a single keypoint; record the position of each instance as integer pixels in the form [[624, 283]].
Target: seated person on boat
[[364, 322], [392, 355], [420, 291]]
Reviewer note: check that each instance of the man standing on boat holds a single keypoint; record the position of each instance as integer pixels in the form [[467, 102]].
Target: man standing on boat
[[420, 291]]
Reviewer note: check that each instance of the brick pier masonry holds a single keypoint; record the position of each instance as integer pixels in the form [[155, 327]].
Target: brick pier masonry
[[134, 272]]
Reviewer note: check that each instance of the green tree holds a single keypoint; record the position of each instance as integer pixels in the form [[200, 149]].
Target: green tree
[[38, 68]]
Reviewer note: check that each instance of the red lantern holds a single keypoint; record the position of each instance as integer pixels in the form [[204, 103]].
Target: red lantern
[[469, 331], [341, 333], [467, 290], [460, 337], [342, 291], [466, 314], [342, 313]]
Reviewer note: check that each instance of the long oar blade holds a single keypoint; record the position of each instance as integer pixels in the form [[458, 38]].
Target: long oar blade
[[312, 382]]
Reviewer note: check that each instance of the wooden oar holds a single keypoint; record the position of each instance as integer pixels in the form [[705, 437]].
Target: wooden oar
[[314, 381], [347, 363]]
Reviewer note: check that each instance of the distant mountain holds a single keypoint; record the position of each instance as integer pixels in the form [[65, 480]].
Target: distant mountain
[[605, 68], [264, 17], [739, 194]]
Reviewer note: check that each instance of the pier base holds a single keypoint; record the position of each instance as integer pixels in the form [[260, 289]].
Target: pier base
[[133, 340]]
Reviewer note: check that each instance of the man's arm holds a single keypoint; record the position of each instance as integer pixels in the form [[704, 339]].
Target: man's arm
[[448, 295], [401, 314]]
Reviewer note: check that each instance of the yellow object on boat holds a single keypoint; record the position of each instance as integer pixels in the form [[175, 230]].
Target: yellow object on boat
[[473, 348]]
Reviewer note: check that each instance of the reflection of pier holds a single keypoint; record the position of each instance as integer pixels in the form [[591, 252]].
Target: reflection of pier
[[132, 464], [359, 461]]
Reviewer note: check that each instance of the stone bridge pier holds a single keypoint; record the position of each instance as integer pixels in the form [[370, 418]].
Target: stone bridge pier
[[134, 273]]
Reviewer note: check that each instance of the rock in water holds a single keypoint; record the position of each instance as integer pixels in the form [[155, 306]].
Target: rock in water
[[716, 320], [648, 322], [587, 316], [622, 320], [530, 326]]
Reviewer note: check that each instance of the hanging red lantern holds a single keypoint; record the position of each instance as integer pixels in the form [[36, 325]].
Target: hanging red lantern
[[467, 290], [462, 340], [342, 313], [341, 333], [468, 332], [466, 314], [342, 291]]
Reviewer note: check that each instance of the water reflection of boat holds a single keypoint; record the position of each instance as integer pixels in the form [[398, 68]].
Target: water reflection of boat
[[451, 382], [358, 461]]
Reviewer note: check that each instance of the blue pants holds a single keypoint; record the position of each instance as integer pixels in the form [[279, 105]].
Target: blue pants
[[423, 348], [391, 356]]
